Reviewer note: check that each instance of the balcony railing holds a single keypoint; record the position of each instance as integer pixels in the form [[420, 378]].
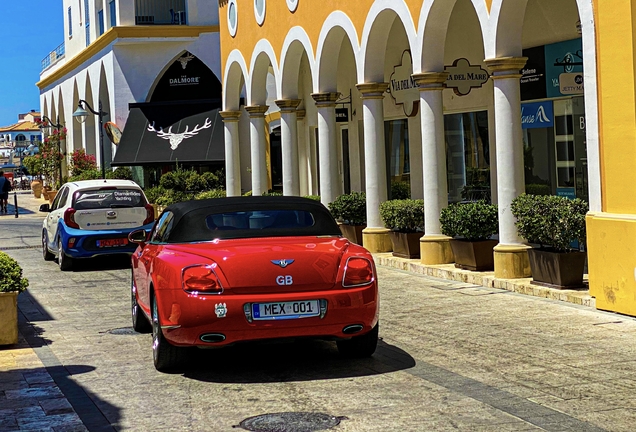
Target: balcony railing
[[160, 12], [53, 57]]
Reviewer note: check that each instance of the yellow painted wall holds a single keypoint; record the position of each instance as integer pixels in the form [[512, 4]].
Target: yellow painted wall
[[310, 14], [611, 235]]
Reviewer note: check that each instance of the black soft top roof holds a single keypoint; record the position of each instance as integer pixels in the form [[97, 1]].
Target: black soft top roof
[[189, 223]]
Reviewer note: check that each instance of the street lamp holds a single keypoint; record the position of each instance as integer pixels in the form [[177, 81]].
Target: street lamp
[[47, 129], [80, 115]]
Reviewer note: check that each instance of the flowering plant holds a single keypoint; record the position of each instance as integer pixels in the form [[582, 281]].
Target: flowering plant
[[81, 162], [52, 156]]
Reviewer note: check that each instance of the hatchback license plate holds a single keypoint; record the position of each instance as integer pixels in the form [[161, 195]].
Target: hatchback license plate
[[112, 242], [286, 310]]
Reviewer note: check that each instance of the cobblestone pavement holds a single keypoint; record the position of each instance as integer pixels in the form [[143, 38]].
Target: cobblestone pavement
[[452, 357]]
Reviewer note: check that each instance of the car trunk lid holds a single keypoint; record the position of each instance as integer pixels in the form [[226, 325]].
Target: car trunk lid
[[109, 208]]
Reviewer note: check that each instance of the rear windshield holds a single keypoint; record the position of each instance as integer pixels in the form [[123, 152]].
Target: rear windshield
[[260, 220], [111, 198]]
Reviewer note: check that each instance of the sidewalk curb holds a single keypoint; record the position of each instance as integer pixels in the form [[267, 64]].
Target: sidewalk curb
[[486, 279]]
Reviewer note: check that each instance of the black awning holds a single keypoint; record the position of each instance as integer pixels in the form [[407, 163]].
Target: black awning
[[165, 133]]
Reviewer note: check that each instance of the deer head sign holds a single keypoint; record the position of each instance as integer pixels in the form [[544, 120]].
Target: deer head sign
[[177, 138]]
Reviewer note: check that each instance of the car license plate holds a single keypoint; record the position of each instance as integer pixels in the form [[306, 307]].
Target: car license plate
[[112, 242], [286, 310]]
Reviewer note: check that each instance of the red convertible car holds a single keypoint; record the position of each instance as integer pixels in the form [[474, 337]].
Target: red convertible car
[[216, 272]]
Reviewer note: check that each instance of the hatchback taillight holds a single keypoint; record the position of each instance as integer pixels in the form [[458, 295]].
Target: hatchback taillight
[[201, 279], [150, 214], [358, 271], [69, 218]]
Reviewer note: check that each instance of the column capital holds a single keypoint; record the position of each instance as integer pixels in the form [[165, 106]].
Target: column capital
[[506, 67], [300, 114], [256, 111], [430, 80], [287, 105], [372, 90], [325, 99], [230, 116]]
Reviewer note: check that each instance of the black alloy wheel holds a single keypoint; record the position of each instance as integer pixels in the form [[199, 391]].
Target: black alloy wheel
[[139, 321], [360, 346], [165, 356], [65, 262], [46, 254]]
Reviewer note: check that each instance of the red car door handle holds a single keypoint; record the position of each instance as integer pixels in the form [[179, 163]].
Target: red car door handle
[[144, 260]]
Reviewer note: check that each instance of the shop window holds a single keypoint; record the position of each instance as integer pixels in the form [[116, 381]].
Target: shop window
[[397, 155], [467, 156]]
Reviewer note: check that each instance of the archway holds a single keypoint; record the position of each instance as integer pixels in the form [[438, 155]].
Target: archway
[[104, 99], [91, 126]]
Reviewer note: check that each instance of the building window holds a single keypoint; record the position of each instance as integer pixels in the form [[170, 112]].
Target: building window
[[113, 13], [398, 167], [232, 17], [259, 11], [87, 20], [467, 156], [292, 5], [70, 22], [100, 18]]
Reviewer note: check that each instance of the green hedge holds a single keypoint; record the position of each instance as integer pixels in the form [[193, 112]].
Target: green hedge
[[216, 193], [550, 221], [92, 174], [538, 189], [405, 215], [11, 275], [473, 221], [400, 190], [313, 197], [350, 208]]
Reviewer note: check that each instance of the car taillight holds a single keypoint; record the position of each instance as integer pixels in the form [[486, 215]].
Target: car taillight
[[201, 279], [150, 214], [358, 271], [69, 218]]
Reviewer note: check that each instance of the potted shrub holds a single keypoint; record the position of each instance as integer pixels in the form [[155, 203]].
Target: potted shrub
[[11, 284], [557, 226], [471, 225], [351, 211], [405, 219]]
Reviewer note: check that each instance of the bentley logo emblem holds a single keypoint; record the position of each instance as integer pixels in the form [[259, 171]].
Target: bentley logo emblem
[[220, 310], [283, 263]]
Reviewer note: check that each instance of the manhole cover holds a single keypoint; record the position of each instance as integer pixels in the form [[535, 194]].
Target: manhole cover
[[122, 331], [290, 422]]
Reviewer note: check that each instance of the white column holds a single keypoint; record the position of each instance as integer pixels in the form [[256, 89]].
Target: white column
[[415, 156], [232, 156], [433, 150], [258, 144], [327, 146], [509, 137], [289, 145], [372, 95], [511, 257], [303, 160]]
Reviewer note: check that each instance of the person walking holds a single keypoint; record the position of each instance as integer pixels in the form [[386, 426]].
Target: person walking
[[5, 188]]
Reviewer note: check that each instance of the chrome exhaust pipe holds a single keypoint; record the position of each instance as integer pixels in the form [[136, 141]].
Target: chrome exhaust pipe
[[212, 337], [351, 329]]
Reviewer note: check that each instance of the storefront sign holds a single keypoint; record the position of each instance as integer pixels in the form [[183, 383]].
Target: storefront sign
[[564, 60], [187, 78], [342, 115], [571, 83], [403, 88], [537, 115], [463, 77], [533, 83]]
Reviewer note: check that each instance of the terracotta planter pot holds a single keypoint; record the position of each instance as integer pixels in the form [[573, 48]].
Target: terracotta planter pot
[[474, 255], [51, 196], [36, 188], [406, 245], [158, 210], [353, 232], [562, 270], [9, 318]]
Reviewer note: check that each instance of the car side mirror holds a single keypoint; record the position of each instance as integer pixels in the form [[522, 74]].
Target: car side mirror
[[138, 236], [45, 208]]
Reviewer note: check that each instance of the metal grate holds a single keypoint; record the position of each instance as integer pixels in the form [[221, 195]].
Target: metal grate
[[290, 422]]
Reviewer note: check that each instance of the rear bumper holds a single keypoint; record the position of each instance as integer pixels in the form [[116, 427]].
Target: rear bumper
[[185, 318], [82, 238]]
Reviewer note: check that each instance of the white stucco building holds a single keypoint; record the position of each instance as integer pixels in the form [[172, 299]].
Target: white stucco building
[[115, 53]]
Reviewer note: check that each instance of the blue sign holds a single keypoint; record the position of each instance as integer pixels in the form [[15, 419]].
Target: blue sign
[[569, 193], [537, 115]]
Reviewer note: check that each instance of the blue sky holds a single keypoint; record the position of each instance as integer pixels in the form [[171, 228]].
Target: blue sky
[[29, 30]]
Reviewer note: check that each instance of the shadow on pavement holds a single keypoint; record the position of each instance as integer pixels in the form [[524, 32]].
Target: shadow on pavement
[[304, 360], [109, 262], [21, 210]]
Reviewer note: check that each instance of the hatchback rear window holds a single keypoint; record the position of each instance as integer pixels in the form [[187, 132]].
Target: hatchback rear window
[[260, 220], [108, 198]]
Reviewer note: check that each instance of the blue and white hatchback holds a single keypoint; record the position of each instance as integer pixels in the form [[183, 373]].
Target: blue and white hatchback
[[93, 217]]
